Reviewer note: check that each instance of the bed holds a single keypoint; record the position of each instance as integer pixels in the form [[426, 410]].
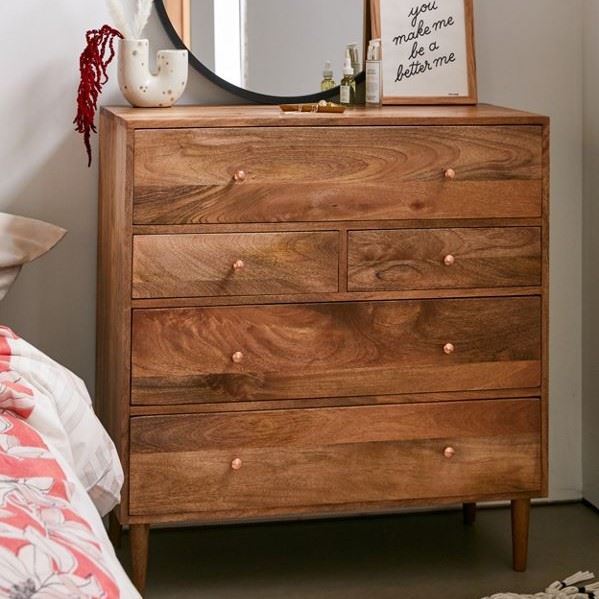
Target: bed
[[59, 474], [59, 470]]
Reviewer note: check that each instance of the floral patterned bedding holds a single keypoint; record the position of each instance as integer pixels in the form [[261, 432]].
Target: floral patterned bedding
[[52, 540]]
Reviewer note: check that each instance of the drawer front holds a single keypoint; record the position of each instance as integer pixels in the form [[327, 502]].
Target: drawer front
[[336, 174], [253, 353], [444, 258], [287, 461], [235, 264]]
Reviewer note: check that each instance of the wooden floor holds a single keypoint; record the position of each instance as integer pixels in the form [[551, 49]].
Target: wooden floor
[[410, 556]]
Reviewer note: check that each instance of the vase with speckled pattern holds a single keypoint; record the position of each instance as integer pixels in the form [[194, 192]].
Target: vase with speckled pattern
[[143, 88]]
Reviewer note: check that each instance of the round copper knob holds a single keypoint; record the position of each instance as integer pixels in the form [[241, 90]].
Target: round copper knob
[[450, 173], [449, 260], [449, 452], [449, 348], [237, 357], [238, 265], [236, 464], [240, 176]]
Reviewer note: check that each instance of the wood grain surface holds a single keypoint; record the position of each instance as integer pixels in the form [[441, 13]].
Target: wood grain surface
[[139, 542], [332, 402], [367, 225], [179, 117], [306, 174], [415, 259], [203, 265], [546, 307], [520, 530], [352, 296], [327, 350], [113, 306], [341, 399], [302, 458]]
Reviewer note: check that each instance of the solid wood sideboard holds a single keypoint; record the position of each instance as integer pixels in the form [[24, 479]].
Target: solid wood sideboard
[[310, 315]]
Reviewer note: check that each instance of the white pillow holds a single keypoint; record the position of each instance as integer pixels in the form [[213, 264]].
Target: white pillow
[[23, 240]]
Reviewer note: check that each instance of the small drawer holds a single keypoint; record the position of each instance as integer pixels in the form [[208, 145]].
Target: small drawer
[[261, 463], [444, 258], [235, 264], [275, 352], [307, 174]]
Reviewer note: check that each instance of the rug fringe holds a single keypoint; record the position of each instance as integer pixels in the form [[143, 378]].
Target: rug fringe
[[562, 589], [571, 581]]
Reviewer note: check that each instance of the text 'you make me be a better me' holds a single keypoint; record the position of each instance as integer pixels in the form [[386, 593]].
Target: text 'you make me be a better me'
[[422, 39]]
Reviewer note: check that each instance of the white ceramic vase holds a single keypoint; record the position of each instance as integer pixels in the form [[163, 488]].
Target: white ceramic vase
[[145, 89]]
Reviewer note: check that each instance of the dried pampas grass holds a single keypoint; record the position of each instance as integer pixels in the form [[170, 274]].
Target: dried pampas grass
[[131, 29], [117, 13], [142, 16]]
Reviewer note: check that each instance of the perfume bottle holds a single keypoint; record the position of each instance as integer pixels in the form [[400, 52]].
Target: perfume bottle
[[327, 81], [348, 83]]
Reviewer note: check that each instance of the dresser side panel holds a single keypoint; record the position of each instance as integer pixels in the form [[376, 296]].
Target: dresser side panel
[[545, 310], [113, 354]]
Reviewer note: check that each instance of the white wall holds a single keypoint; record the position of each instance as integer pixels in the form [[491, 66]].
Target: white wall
[[590, 409], [529, 56]]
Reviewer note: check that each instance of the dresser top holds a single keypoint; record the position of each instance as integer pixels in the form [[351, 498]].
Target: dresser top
[[272, 116]]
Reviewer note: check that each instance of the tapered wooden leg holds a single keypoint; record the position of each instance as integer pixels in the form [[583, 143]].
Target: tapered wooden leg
[[139, 536], [469, 511], [114, 530], [520, 525]]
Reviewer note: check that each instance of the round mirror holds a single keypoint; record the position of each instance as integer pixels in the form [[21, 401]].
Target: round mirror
[[269, 51]]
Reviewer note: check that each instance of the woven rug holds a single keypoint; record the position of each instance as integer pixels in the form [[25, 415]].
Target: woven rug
[[573, 587]]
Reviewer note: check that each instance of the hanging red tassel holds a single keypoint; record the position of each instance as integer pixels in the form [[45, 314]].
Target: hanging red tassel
[[93, 64]]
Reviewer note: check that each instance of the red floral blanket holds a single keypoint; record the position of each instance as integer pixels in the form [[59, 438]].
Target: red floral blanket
[[46, 548], [53, 544]]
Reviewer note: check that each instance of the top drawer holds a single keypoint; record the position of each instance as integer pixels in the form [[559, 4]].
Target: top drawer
[[289, 174]]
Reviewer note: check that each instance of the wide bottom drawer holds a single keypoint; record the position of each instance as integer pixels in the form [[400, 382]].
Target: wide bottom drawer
[[253, 463]]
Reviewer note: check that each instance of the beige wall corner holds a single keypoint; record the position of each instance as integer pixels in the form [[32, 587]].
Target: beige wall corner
[[590, 407]]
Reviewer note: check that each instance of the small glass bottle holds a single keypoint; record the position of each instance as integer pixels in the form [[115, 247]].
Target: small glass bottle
[[327, 81], [348, 83]]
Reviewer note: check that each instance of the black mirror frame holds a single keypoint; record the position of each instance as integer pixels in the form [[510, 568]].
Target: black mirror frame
[[238, 91]]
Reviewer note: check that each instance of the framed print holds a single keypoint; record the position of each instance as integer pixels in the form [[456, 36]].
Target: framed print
[[428, 51]]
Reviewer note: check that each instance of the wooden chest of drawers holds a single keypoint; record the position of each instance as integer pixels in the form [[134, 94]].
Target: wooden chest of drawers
[[306, 315]]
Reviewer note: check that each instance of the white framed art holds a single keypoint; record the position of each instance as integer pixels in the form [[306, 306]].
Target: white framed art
[[428, 51]]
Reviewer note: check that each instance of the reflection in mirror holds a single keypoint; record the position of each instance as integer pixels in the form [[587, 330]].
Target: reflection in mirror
[[272, 47]]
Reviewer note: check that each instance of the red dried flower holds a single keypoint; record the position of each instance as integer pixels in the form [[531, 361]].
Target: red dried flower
[[93, 64]]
